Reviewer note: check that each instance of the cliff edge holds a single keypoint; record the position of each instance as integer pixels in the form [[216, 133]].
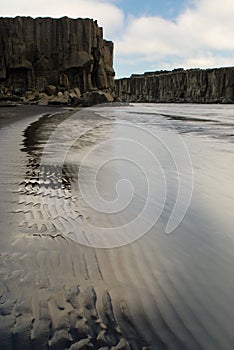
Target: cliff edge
[[193, 86], [55, 60]]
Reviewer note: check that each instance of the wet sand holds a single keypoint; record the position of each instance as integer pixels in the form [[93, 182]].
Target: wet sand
[[54, 292], [159, 292], [9, 115]]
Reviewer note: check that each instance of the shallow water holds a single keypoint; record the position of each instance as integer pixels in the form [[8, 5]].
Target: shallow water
[[71, 187]]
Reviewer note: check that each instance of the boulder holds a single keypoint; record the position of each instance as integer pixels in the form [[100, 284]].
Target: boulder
[[43, 102], [96, 97], [77, 92], [60, 99], [75, 99], [51, 90]]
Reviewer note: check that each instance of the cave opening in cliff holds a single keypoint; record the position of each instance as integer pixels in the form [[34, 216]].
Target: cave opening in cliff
[[18, 80], [75, 78]]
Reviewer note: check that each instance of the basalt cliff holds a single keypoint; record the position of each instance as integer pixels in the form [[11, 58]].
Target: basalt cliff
[[47, 60], [192, 86]]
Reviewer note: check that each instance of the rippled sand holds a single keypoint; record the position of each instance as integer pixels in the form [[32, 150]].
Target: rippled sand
[[160, 291]]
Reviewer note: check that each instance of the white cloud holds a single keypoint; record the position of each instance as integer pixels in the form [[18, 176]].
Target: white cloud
[[109, 16], [201, 36], [209, 25]]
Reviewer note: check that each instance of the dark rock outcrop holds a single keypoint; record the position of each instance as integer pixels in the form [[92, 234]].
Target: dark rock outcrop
[[54, 56], [179, 85]]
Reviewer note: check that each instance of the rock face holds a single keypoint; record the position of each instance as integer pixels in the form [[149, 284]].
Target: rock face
[[179, 85], [51, 56]]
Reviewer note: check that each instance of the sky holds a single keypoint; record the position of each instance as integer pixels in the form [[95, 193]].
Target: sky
[[150, 35]]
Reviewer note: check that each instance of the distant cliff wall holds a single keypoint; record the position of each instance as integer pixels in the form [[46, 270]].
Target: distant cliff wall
[[52, 55], [194, 86]]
